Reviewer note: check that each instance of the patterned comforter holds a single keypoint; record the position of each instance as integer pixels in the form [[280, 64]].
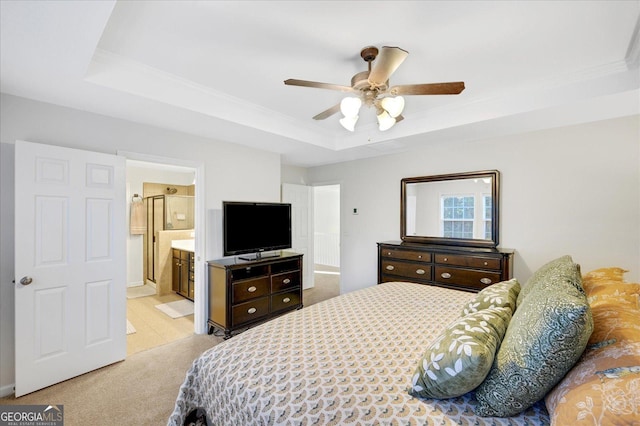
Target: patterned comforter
[[347, 360]]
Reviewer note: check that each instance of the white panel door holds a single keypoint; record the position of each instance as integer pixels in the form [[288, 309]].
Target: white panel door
[[70, 263], [300, 198]]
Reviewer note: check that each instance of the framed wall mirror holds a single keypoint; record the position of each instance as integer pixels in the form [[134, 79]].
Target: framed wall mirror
[[460, 209]]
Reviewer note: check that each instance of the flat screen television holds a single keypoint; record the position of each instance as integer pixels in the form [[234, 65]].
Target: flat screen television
[[254, 227]]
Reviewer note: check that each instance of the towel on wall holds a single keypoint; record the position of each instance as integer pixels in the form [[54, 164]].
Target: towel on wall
[[138, 222]]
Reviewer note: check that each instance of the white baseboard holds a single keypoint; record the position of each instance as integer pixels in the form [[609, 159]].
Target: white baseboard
[[135, 284], [7, 390]]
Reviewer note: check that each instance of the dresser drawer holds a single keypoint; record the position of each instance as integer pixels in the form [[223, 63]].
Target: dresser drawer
[[465, 277], [285, 300], [470, 261], [394, 253], [406, 269], [250, 289], [249, 311], [284, 281]]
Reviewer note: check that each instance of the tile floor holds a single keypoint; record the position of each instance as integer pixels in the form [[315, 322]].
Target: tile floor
[[153, 328]]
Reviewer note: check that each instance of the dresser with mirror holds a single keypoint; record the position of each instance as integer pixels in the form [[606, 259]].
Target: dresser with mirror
[[449, 227]]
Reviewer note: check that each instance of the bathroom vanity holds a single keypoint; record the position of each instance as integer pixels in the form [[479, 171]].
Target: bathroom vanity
[[182, 269]]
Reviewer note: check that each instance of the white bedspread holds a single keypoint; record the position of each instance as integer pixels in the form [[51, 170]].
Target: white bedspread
[[348, 360]]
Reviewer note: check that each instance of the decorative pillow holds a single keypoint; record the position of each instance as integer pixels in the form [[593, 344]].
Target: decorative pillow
[[603, 276], [615, 322], [496, 295], [603, 387], [460, 358], [560, 268], [614, 293], [545, 338]]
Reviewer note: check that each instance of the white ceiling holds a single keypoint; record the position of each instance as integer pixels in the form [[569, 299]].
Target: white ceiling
[[216, 68]]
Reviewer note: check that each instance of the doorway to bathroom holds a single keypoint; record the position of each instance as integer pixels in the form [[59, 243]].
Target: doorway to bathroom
[[161, 203]]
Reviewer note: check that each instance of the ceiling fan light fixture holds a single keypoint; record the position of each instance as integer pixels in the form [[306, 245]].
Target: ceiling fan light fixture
[[373, 90], [350, 106], [385, 121], [349, 123], [393, 106]]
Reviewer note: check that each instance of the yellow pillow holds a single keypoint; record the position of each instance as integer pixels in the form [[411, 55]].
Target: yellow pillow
[[615, 321], [601, 275], [614, 293], [602, 388], [608, 285]]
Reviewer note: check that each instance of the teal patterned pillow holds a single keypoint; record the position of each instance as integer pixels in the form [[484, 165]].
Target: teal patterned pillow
[[560, 268], [545, 338], [460, 358], [504, 293]]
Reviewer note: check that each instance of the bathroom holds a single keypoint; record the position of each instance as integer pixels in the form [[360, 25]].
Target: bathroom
[[166, 196], [160, 200]]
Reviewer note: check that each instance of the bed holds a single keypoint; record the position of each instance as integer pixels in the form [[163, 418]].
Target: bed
[[350, 360]]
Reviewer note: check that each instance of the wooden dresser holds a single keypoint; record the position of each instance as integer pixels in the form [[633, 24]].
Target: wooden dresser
[[462, 268], [245, 292]]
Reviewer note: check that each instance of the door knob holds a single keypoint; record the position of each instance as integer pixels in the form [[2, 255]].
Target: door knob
[[26, 280]]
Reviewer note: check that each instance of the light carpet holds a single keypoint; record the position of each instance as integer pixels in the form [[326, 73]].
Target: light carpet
[[177, 309], [130, 328], [140, 291]]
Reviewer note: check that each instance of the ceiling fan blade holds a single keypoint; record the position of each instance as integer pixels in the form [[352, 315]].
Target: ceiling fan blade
[[386, 63], [399, 118], [327, 113], [306, 83], [452, 88]]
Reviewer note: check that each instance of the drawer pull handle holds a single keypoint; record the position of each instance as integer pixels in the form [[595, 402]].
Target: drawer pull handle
[[445, 275], [445, 260], [486, 280], [388, 253], [286, 281], [421, 271], [390, 268], [486, 263], [251, 310], [419, 256], [251, 289], [286, 300]]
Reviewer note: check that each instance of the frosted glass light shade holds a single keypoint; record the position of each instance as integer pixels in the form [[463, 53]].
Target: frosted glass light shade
[[393, 106], [350, 107], [349, 123], [385, 121]]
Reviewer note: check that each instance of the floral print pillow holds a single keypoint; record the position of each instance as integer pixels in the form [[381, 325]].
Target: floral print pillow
[[604, 387], [460, 358], [503, 294]]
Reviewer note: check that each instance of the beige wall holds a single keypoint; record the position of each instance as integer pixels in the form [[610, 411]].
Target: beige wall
[[231, 172], [572, 190]]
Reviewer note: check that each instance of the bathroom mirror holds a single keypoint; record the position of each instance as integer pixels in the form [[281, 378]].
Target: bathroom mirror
[[454, 209]]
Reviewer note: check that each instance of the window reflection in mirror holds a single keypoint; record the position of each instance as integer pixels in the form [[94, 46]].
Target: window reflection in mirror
[[452, 209]]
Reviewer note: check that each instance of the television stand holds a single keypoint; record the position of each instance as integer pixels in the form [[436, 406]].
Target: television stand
[[259, 256], [243, 293]]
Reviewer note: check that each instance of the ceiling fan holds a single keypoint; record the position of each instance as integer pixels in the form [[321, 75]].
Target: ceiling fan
[[371, 88]]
